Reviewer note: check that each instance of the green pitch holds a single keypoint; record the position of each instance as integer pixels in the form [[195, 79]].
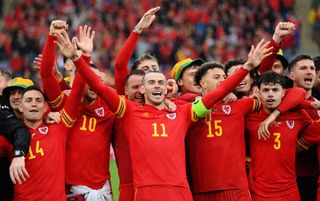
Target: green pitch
[[114, 179]]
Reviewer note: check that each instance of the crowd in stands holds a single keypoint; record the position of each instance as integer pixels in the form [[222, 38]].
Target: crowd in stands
[[210, 29]]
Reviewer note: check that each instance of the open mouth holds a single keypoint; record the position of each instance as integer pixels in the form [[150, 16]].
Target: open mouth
[[34, 110], [270, 100], [308, 80], [157, 93]]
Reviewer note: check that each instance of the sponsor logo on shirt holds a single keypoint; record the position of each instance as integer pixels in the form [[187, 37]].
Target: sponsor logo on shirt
[[43, 130], [100, 112], [290, 123], [226, 109], [172, 116]]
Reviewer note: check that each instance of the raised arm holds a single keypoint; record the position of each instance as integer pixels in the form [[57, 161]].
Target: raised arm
[[254, 58], [125, 53], [102, 90], [50, 84], [281, 30]]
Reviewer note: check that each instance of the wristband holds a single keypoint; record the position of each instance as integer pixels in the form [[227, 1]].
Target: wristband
[[18, 153], [199, 108]]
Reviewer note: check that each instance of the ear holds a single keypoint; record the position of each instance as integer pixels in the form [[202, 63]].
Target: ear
[[180, 82], [20, 108], [203, 84], [283, 93], [142, 89], [125, 91], [291, 75]]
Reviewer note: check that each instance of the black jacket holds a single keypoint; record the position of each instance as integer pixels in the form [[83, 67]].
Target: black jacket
[[14, 130]]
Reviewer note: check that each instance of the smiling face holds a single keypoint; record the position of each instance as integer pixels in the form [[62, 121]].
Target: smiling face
[[303, 74], [32, 106], [154, 88], [133, 89], [15, 98], [187, 83], [212, 79], [271, 96], [245, 85]]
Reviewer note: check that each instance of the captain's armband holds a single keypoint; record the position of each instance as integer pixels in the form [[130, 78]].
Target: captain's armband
[[199, 108]]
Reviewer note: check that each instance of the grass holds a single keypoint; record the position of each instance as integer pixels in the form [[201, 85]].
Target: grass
[[114, 179]]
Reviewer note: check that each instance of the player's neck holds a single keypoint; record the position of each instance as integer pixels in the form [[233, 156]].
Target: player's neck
[[309, 93], [32, 124], [160, 106], [268, 111], [87, 101]]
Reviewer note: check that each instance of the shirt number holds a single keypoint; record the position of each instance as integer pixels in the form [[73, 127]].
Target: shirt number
[[88, 125], [38, 150], [155, 130], [217, 128], [277, 142]]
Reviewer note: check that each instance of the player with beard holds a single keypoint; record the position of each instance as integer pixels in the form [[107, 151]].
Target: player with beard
[[303, 74], [159, 168], [213, 134], [272, 172], [84, 174]]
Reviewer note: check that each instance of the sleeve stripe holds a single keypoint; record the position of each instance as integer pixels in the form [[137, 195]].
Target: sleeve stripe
[[67, 120], [57, 102], [193, 116], [303, 143], [121, 108], [256, 105]]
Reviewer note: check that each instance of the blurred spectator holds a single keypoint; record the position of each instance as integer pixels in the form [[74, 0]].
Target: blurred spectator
[[211, 29]]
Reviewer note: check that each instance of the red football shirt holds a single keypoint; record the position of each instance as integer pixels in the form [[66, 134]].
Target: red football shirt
[[216, 147], [88, 146], [45, 165], [122, 152], [156, 141], [272, 172]]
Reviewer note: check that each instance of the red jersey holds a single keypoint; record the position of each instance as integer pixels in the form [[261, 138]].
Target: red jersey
[[156, 141], [122, 153], [45, 165], [222, 132], [307, 161], [45, 161], [273, 161], [88, 164]]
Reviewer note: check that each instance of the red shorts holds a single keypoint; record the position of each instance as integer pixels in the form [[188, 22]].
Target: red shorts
[[225, 195], [126, 192], [294, 196], [162, 193]]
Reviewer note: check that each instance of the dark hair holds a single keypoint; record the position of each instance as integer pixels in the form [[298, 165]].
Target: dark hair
[[204, 69], [232, 63], [6, 74], [34, 88], [237, 62], [135, 72], [316, 61], [297, 59], [271, 78], [94, 66], [141, 59]]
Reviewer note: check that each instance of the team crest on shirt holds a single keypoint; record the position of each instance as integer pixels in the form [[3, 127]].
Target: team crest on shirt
[[290, 123], [100, 112], [172, 116], [226, 109], [43, 130]]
